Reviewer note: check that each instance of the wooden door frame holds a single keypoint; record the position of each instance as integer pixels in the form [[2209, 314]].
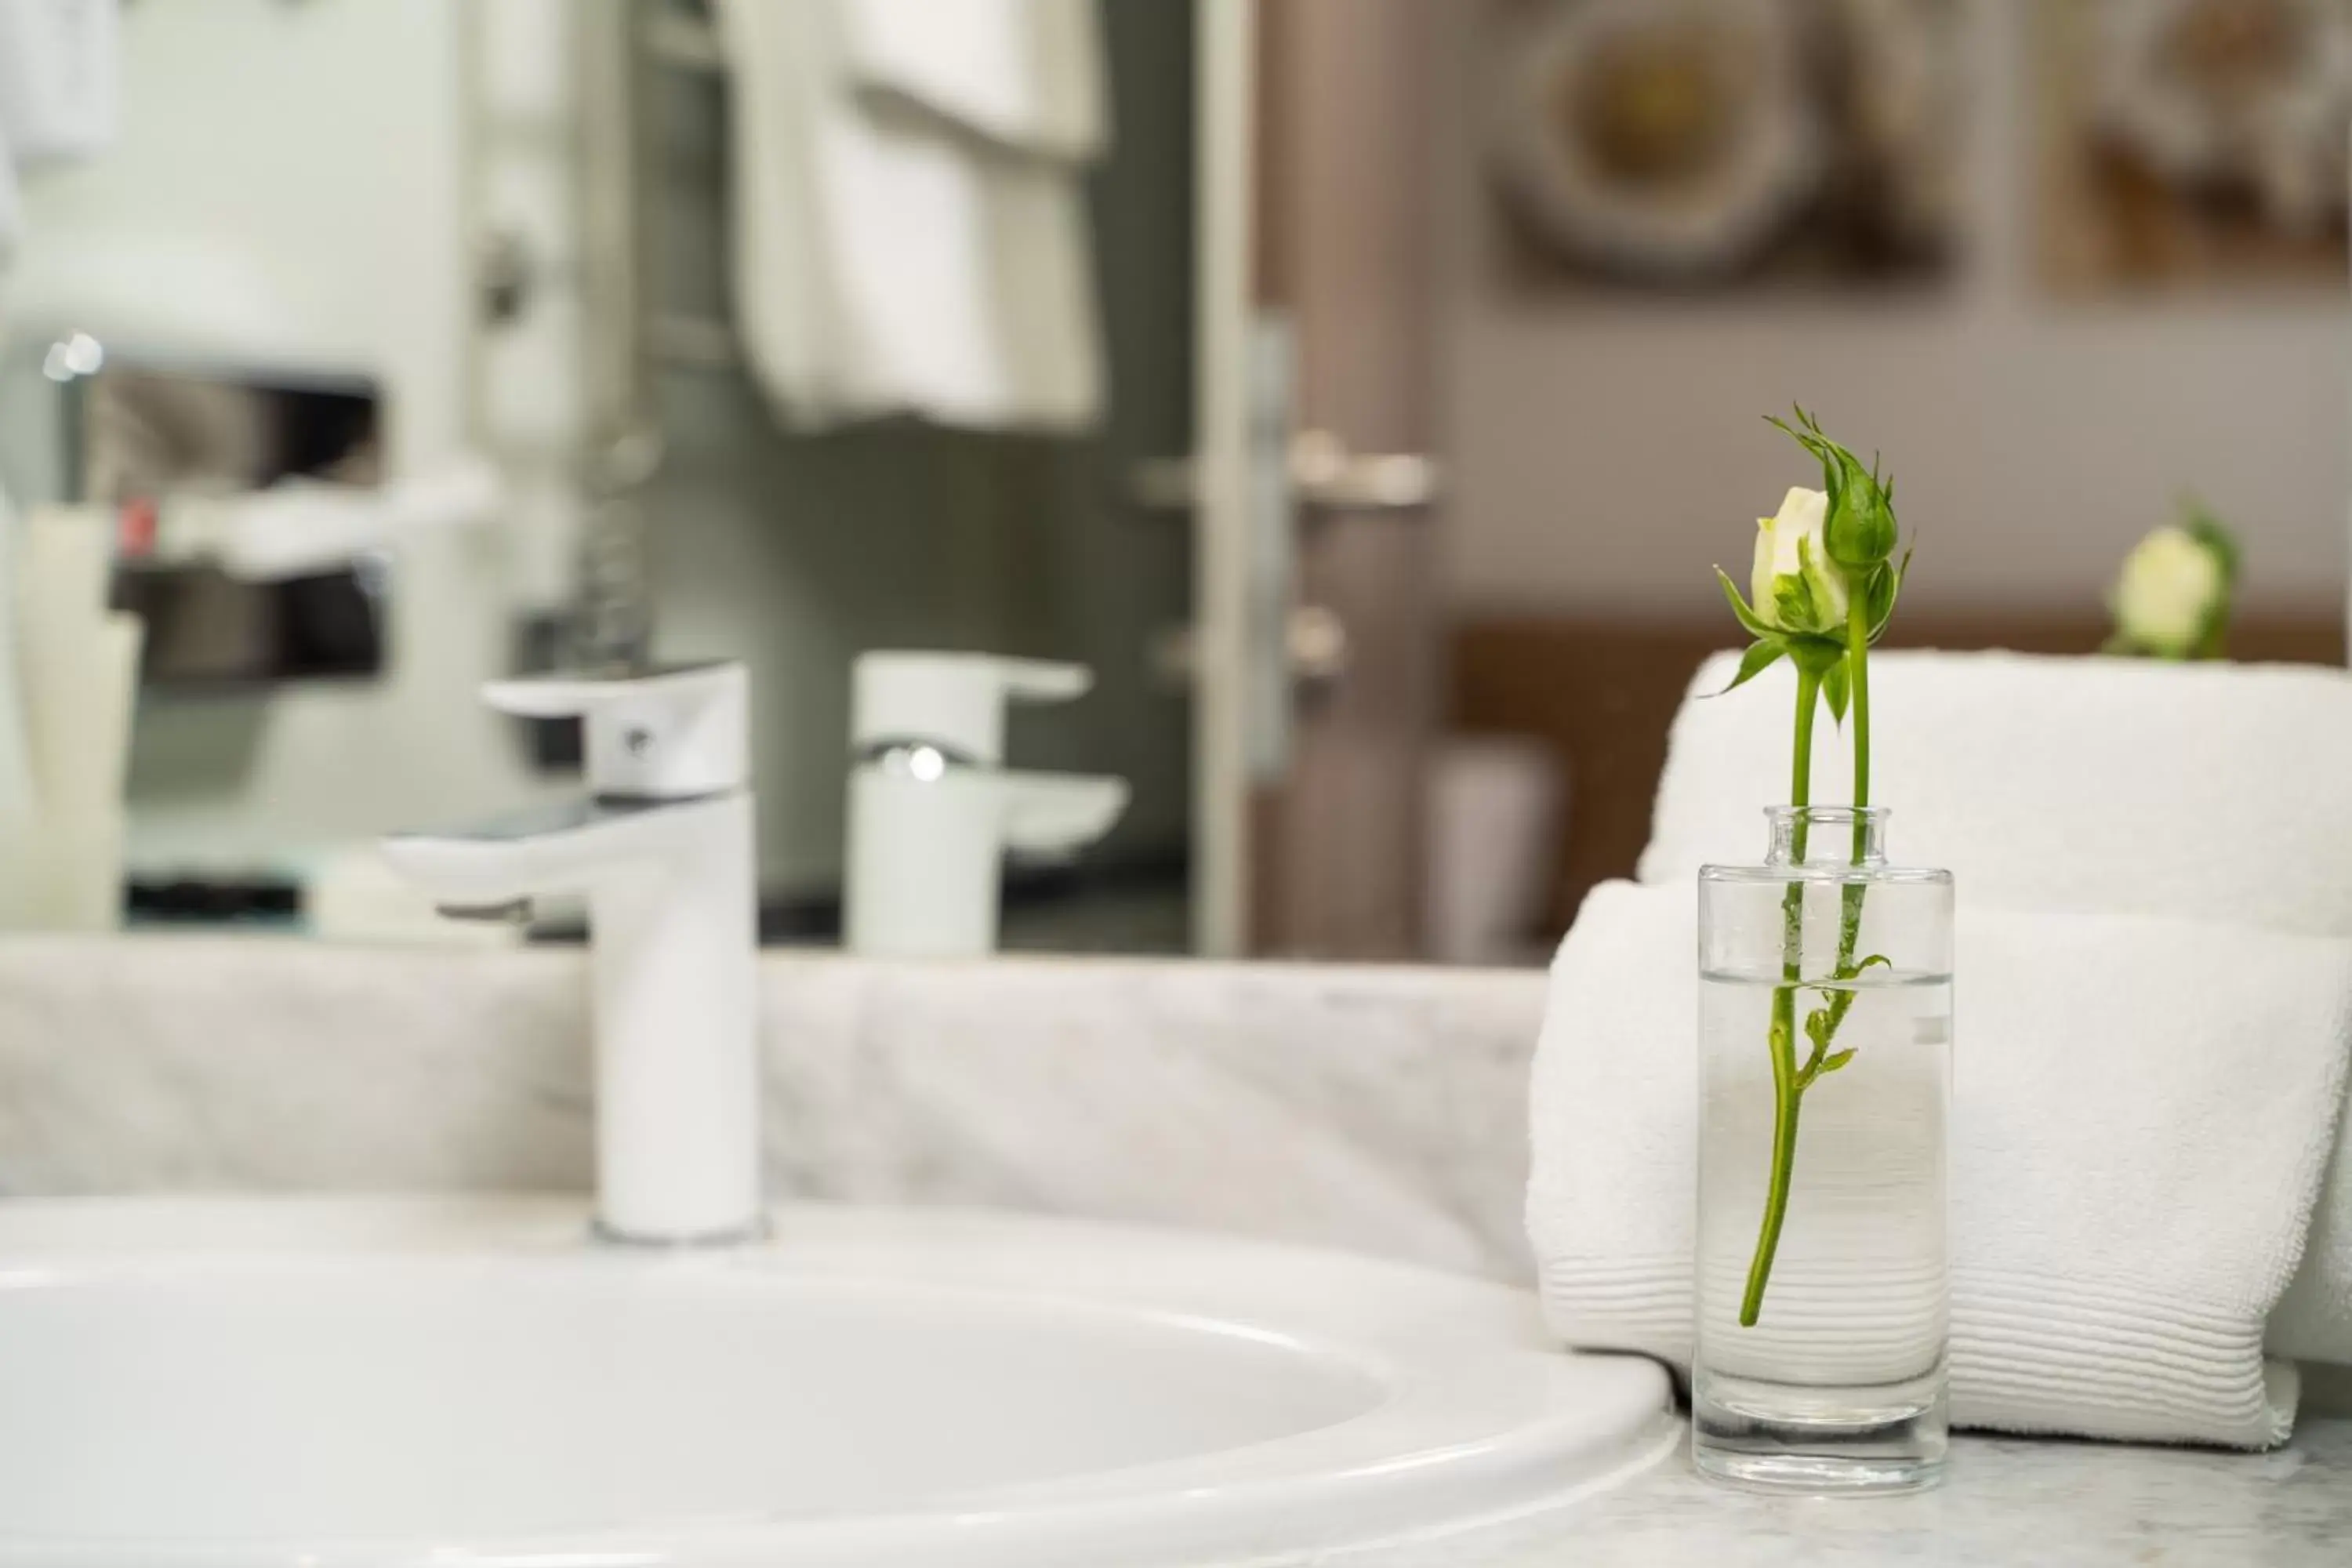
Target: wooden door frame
[[1343, 249]]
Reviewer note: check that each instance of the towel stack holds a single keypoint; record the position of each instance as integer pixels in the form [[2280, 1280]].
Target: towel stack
[[910, 227], [2155, 889]]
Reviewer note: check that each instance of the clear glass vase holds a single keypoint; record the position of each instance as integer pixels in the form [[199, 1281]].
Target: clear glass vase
[[1825, 1042]]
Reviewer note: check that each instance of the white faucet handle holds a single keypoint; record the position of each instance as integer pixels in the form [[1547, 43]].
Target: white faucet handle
[[1042, 680], [953, 700], [667, 735]]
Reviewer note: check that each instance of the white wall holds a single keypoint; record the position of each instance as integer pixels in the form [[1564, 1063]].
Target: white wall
[[287, 188], [1606, 454]]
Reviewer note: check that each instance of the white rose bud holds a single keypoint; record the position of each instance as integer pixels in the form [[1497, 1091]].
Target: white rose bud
[[1797, 588], [2171, 590]]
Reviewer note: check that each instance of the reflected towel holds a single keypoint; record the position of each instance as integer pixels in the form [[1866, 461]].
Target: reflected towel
[[2210, 793], [1026, 74], [886, 262], [2142, 1110]]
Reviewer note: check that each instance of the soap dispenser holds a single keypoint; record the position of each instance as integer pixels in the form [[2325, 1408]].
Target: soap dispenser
[[933, 809]]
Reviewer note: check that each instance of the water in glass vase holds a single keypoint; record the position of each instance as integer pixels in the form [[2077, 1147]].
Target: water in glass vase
[[1837, 1382]]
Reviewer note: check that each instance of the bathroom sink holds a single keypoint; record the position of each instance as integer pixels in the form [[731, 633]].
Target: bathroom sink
[[339, 1383]]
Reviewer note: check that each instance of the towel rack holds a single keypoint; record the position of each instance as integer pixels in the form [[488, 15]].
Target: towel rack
[[668, 36]]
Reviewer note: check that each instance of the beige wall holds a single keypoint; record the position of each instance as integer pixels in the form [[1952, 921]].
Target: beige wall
[[1606, 455]]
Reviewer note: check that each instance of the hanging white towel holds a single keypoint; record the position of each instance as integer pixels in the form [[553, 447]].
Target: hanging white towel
[[2141, 1112], [2210, 793], [1026, 74], [887, 262]]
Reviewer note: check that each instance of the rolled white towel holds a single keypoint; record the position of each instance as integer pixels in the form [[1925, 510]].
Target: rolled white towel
[[2141, 1112], [2210, 793]]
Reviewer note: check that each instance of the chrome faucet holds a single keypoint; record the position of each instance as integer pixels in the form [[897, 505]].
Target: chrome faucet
[[662, 849]]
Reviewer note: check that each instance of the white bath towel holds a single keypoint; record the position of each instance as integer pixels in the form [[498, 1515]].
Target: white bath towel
[[2208, 792], [1026, 74], [888, 263], [2201, 792], [2141, 1112]]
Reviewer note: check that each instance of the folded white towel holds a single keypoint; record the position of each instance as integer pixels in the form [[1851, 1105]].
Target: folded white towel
[[885, 263], [2141, 1112], [2208, 792], [1027, 74]]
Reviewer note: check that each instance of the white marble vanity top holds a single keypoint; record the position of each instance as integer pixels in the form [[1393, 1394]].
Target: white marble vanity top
[[1379, 1110], [2008, 1501], [1382, 1111]]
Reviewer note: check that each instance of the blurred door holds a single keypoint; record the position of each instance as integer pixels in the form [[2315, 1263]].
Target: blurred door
[[1317, 646]]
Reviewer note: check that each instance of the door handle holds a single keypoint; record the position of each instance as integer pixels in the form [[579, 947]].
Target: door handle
[[1323, 471], [1290, 478], [1326, 474], [1315, 649]]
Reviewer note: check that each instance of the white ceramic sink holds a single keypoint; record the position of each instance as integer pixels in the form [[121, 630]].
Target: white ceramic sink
[[464, 1384]]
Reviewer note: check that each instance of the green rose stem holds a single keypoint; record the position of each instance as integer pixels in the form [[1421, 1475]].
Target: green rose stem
[[1857, 635], [1857, 656], [1789, 1080], [1786, 1093]]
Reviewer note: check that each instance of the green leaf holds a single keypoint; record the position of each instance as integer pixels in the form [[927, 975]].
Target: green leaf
[[1757, 626], [2217, 538], [1831, 1064], [1838, 687], [1886, 589], [1875, 961], [1760, 657], [1815, 656], [1792, 600]]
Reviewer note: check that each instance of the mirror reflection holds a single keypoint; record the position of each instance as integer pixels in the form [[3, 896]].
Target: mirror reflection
[[1219, 479]]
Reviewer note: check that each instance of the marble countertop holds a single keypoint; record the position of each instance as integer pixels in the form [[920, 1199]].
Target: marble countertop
[[2006, 1501], [1381, 1111]]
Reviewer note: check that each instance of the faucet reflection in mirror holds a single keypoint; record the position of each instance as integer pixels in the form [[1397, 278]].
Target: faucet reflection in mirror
[[662, 849], [933, 811], [1823, 1293]]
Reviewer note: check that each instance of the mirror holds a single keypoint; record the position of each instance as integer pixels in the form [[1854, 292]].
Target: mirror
[[1359, 391]]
